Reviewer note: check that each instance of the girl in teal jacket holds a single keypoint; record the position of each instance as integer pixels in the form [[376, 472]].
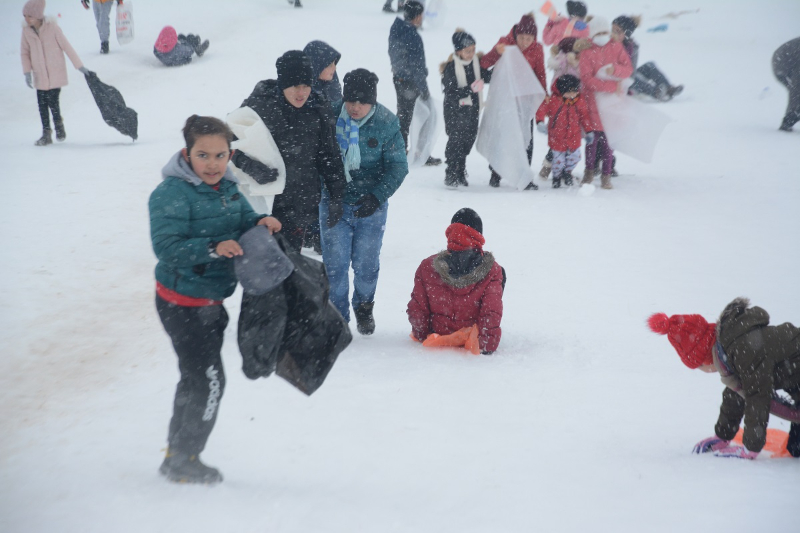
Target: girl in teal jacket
[[196, 217]]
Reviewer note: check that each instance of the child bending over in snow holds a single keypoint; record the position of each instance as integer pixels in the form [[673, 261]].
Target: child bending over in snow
[[754, 360], [460, 287], [568, 114], [175, 50]]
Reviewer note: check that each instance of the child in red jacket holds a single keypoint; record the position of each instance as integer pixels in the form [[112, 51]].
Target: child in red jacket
[[459, 287], [568, 114]]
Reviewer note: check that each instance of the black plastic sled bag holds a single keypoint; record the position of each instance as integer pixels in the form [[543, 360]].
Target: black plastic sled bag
[[292, 330], [112, 107]]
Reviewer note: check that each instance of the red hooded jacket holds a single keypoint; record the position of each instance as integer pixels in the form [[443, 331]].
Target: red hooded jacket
[[534, 54], [566, 121], [443, 304]]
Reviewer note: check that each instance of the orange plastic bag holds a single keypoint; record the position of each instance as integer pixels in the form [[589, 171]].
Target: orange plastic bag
[[776, 442], [549, 10], [466, 337]]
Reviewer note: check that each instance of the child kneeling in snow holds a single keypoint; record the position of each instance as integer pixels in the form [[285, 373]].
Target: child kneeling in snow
[[754, 360], [460, 287], [175, 50], [568, 114]]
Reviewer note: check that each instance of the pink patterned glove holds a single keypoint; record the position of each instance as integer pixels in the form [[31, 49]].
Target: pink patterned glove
[[711, 444], [740, 452]]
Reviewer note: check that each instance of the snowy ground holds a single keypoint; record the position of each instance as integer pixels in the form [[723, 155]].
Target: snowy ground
[[583, 420]]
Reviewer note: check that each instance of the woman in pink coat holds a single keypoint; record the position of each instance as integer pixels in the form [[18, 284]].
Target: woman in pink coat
[[611, 57], [43, 48], [560, 27]]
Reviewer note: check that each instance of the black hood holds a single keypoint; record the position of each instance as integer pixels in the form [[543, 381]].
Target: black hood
[[322, 54]]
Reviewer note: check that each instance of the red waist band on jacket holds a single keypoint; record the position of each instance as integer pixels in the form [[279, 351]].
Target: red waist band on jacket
[[170, 296]]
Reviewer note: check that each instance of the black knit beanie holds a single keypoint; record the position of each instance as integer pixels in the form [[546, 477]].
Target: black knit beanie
[[568, 83], [294, 68], [361, 85], [468, 217], [462, 39], [412, 9], [576, 9], [626, 24]]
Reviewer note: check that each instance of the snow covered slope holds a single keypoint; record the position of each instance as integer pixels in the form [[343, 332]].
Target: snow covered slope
[[583, 420]]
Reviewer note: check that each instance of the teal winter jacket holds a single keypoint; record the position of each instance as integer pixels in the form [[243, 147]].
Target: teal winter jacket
[[383, 158], [186, 216]]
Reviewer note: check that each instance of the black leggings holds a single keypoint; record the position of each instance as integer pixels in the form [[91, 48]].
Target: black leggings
[[649, 80], [407, 94], [48, 101]]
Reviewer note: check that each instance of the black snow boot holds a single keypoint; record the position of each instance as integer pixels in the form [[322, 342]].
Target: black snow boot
[[181, 467], [200, 49], [793, 444], [297, 3], [365, 323], [451, 176], [532, 187], [61, 134], [46, 138], [104, 47], [566, 177], [433, 162], [494, 181], [557, 181], [462, 175]]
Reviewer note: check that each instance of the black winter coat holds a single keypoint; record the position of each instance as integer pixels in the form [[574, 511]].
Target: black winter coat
[[457, 116], [294, 329], [307, 143]]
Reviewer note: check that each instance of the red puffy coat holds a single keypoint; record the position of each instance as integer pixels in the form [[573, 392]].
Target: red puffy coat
[[534, 54], [566, 121], [443, 304], [592, 60]]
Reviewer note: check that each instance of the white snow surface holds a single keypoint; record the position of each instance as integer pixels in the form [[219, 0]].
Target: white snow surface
[[583, 420]]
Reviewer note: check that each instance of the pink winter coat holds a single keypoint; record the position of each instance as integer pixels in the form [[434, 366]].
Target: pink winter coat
[[591, 61], [43, 53], [557, 29]]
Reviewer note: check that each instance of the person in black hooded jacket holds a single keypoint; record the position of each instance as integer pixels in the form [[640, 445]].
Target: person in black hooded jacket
[[324, 59], [300, 121]]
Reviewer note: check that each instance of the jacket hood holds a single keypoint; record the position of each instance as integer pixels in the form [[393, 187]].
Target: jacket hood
[[321, 54], [178, 167], [738, 319], [481, 271]]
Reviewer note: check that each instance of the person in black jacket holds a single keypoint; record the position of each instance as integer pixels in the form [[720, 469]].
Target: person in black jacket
[[786, 67], [462, 83], [407, 55], [301, 124]]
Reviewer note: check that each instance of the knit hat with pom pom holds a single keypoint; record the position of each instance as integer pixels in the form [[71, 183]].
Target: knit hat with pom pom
[[690, 335]]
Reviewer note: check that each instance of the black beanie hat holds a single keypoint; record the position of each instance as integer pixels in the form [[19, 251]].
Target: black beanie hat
[[568, 83], [412, 9], [462, 39], [294, 68], [360, 85], [468, 217], [576, 9], [626, 24]]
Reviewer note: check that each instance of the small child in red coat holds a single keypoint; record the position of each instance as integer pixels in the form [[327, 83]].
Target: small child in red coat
[[460, 287], [568, 115]]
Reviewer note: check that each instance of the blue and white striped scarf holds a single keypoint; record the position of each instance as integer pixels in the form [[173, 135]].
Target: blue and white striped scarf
[[347, 135]]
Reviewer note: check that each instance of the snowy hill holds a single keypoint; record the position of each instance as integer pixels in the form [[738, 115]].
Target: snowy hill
[[583, 419]]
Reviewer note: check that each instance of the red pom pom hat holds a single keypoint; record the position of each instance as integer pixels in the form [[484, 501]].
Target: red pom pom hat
[[690, 335]]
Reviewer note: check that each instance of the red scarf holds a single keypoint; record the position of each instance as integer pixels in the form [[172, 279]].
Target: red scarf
[[462, 237]]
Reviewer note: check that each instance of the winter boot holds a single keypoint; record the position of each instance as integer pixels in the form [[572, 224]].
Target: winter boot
[[532, 187], [494, 181], [297, 3], [46, 138], [365, 323], [387, 7], [451, 176], [433, 162], [674, 91], [605, 181], [588, 176], [547, 166], [793, 444], [61, 134], [181, 467], [567, 178], [192, 40], [557, 181], [200, 49], [462, 175], [104, 47]]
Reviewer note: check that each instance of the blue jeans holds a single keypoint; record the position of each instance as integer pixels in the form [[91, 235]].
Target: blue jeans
[[357, 241]]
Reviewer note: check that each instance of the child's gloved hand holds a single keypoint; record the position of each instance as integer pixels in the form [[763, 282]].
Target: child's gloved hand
[[368, 204], [739, 452], [541, 127], [711, 444], [29, 79], [84, 71]]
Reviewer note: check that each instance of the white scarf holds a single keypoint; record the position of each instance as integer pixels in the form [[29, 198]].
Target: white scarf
[[461, 77]]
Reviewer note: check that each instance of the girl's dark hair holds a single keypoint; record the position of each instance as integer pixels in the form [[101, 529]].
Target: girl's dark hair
[[197, 126]]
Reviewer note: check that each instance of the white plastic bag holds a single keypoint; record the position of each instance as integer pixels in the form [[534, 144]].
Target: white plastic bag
[[255, 140], [505, 129], [632, 127], [423, 131], [124, 22]]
